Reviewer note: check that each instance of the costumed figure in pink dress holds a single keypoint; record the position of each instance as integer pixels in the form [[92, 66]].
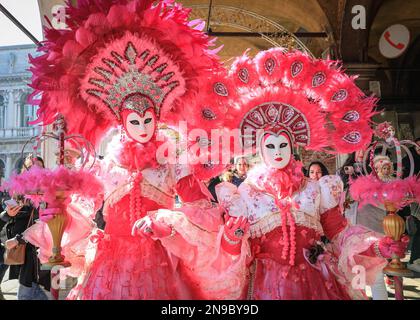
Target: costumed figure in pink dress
[[133, 64], [196, 232], [278, 101]]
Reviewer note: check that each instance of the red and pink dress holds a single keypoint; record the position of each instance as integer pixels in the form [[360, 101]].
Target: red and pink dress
[[127, 267], [315, 209]]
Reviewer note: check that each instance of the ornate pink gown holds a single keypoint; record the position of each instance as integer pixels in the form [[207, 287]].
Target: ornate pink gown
[[316, 212], [127, 267]]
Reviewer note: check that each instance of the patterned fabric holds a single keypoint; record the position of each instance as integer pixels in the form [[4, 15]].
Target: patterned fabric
[[262, 212], [212, 273]]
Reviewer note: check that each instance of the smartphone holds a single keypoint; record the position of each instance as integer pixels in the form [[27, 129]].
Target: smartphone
[[11, 203]]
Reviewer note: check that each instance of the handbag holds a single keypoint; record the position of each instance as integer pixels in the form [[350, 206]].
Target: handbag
[[16, 255]]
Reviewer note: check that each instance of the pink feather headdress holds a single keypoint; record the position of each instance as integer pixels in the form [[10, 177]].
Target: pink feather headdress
[[320, 106], [113, 50]]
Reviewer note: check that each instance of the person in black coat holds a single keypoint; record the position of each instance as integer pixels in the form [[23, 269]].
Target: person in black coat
[[414, 209], [16, 220], [3, 238]]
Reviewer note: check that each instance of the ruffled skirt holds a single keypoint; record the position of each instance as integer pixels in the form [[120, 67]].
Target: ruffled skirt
[[274, 281], [127, 268]]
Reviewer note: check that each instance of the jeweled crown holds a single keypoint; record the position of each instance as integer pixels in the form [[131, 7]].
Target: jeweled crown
[[132, 66]]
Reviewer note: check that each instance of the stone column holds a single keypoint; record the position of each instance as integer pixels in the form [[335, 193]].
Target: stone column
[[8, 166], [10, 116], [17, 94]]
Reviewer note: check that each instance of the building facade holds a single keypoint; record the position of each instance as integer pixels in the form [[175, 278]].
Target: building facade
[[15, 112]]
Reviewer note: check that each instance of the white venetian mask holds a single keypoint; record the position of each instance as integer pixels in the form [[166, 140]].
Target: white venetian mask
[[276, 150], [140, 128]]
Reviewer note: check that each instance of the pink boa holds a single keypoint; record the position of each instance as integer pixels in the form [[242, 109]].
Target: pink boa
[[136, 156], [280, 183], [371, 190]]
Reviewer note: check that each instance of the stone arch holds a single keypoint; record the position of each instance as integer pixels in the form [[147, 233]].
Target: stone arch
[[244, 20], [283, 17]]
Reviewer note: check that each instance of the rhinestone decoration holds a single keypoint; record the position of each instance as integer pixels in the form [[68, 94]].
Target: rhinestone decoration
[[272, 113], [302, 138], [276, 116], [152, 60], [102, 72], [340, 95], [131, 53], [296, 68], [127, 73], [208, 114], [353, 137], [257, 117], [269, 65], [109, 63], [220, 89], [160, 68], [298, 125], [117, 57], [318, 79], [288, 114], [144, 54], [351, 116], [97, 82], [137, 103], [243, 75]]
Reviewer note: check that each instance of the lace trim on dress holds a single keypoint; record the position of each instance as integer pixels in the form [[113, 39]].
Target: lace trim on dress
[[273, 220], [157, 195]]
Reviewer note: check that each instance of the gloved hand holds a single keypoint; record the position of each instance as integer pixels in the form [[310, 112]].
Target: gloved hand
[[146, 228], [389, 247], [234, 231]]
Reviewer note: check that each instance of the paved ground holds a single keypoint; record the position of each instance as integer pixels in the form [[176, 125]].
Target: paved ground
[[411, 290]]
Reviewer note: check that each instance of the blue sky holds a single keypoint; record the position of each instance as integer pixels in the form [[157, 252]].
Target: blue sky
[[27, 12]]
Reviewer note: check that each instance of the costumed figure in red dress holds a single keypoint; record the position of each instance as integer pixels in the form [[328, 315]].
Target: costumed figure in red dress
[[278, 101], [133, 64]]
